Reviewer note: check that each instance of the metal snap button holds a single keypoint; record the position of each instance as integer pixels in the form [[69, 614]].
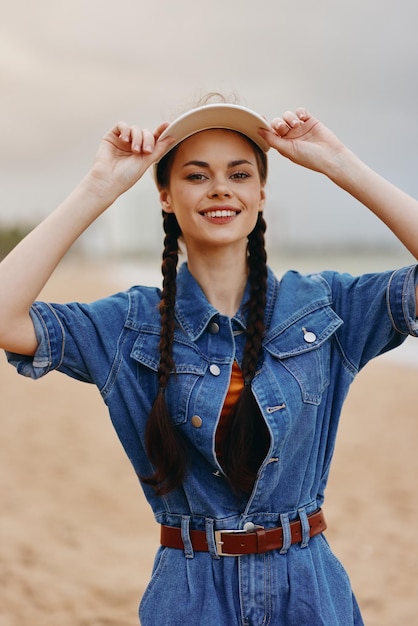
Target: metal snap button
[[215, 370], [197, 421], [308, 336], [214, 328]]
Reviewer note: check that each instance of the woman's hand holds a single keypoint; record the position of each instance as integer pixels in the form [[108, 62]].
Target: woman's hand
[[304, 140], [124, 154]]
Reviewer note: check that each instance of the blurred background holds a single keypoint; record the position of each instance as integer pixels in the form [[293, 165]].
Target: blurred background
[[70, 70]]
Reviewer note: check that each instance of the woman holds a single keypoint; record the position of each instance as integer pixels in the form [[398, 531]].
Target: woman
[[226, 387]]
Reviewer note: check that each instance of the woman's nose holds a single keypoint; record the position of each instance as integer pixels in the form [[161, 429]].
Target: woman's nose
[[219, 188]]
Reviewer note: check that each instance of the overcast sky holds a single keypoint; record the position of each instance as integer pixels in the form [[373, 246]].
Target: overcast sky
[[70, 69]]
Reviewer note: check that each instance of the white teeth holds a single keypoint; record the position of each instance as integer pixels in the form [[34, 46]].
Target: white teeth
[[220, 213]]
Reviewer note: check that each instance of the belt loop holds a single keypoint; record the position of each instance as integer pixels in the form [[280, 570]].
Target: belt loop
[[287, 536], [185, 536], [306, 530], [261, 540], [210, 538]]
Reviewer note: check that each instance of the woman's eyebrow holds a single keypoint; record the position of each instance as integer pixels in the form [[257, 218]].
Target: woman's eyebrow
[[239, 162], [230, 164], [197, 163]]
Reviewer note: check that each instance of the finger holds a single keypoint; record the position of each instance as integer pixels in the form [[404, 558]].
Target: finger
[[123, 131], [291, 119], [148, 141], [280, 126], [274, 137], [162, 146], [303, 114], [135, 134], [160, 129], [142, 140]]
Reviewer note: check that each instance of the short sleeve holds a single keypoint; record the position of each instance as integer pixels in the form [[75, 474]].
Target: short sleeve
[[77, 339], [378, 312], [401, 299]]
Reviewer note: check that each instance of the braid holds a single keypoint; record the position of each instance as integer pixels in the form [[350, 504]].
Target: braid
[[257, 262], [164, 446], [247, 438], [168, 297]]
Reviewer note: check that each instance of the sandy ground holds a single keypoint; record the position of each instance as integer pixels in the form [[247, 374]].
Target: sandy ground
[[77, 538]]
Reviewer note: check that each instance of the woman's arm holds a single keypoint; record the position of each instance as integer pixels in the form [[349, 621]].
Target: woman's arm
[[306, 141], [125, 153]]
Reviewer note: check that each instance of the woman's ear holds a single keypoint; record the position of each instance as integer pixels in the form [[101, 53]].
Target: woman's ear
[[165, 201], [262, 199]]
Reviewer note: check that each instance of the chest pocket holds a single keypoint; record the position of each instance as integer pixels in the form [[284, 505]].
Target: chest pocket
[[303, 347], [190, 367]]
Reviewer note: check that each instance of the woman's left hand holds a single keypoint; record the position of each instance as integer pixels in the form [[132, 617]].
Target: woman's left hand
[[305, 140]]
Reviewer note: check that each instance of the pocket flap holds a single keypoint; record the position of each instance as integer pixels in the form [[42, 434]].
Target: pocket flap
[[302, 333]]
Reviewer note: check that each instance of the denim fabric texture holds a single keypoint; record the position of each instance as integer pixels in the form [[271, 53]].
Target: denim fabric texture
[[321, 329]]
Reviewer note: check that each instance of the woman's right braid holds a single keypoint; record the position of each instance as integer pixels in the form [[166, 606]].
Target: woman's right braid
[[168, 297], [165, 448]]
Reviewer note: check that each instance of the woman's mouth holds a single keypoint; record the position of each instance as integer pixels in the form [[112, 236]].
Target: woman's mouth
[[220, 213]]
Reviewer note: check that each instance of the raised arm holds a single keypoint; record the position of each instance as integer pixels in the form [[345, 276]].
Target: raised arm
[[306, 141], [124, 154]]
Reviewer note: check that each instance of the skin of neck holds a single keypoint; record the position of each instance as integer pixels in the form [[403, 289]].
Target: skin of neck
[[222, 275]]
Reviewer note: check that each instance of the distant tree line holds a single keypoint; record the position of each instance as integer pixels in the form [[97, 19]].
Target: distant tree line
[[9, 237]]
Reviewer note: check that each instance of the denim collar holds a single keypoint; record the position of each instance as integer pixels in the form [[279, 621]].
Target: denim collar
[[194, 312]]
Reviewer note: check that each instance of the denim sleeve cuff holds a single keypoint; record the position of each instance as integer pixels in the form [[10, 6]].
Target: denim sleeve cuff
[[50, 335], [402, 300]]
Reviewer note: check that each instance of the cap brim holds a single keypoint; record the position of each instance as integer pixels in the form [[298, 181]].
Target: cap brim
[[210, 116]]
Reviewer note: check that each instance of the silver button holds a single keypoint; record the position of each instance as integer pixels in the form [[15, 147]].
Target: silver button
[[308, 336], [214, 328], [249, 527], [197, 421], [214, 369]]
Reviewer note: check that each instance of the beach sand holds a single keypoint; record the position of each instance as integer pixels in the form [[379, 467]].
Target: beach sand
[[78, 539]]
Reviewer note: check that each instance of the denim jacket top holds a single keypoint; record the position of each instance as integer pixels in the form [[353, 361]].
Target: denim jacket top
[[321, 329]]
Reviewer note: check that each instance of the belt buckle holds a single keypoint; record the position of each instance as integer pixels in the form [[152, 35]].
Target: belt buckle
[[219, 543]]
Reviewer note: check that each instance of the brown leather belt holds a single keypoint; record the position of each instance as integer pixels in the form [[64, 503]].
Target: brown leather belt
[[240, 542]]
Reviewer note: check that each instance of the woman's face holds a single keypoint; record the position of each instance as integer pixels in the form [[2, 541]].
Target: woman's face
[[214, 189]]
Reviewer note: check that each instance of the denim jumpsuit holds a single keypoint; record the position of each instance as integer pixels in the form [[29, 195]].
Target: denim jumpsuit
[[321, 329]]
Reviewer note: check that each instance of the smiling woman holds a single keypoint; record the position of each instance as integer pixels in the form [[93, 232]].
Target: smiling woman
[[226, 386]]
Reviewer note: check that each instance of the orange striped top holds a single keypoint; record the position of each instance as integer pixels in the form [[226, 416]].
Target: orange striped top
[[235, 386]]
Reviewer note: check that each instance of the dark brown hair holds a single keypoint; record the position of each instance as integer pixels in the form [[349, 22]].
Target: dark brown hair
[[165, 448]]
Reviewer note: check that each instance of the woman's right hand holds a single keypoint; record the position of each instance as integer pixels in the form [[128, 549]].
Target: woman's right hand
[[124, 155]]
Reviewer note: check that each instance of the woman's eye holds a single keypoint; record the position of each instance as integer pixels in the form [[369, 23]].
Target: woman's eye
[[240, 175], [196, 177]]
